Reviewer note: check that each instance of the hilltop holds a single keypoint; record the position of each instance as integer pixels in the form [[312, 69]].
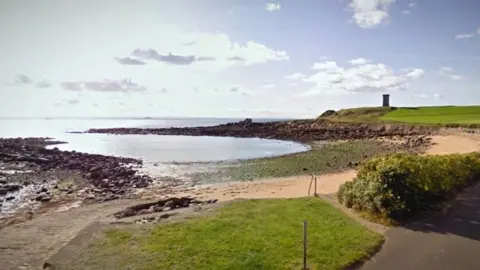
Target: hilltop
[[451, 116]]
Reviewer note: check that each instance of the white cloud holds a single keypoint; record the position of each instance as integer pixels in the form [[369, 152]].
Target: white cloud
[[478, 31], [422, 96], [228, 53], [463, 36], [406, 12], [456, 77], [359, 61], [412, 4], [370, 13], [330, 77], [450, 73], [296, 76], [269, 86], [438, 96], [327, 65], [415, 73], [124, 85], [270, 7]]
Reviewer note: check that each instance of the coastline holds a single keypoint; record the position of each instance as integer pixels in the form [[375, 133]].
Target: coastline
[[303, 131], [65, 208]]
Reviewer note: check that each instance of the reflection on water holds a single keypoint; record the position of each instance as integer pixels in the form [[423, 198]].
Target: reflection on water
[[154, 148], [150, 148]]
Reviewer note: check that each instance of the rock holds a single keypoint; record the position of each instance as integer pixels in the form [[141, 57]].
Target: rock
[[43, 198], [43, 189], [170, 204], [13, 188], [9, 198]]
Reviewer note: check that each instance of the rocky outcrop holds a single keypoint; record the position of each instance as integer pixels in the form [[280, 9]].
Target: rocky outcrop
[[160, 206], [297, 130], [110, 177]]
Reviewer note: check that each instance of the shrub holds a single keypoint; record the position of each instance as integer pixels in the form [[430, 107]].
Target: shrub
[[400, 185]]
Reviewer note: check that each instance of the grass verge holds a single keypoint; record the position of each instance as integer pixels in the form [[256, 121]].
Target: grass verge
[[252, 234]]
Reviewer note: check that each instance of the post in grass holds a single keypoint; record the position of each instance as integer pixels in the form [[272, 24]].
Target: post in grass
[[305, 245]]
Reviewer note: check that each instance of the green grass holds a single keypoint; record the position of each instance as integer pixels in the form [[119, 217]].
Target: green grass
[[435, 115], [253, 234], [453, 116]]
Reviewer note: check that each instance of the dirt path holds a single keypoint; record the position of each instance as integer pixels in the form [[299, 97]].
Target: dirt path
[[27, 245]]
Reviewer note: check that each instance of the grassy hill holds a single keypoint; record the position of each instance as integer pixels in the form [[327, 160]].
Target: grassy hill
[[445, 115]]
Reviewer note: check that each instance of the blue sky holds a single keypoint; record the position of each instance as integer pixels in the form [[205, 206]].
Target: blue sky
[[234, 58]]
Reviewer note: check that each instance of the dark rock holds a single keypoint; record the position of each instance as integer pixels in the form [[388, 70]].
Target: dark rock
[[161, 205], [9, 198], [43, 198]]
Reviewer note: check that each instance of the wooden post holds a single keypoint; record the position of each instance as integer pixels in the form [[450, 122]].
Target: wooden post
[[315, 192], [305, 245]]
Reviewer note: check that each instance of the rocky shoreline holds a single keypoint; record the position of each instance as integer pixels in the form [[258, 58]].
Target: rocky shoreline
[[296, 130], [31, 174]]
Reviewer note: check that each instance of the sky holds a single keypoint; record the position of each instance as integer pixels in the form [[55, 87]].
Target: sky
[[234, 58]]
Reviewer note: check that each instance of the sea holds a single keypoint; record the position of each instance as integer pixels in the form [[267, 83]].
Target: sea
[[150, 148]]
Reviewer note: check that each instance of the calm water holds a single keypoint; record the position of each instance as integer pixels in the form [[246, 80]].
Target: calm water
[[150, 148]]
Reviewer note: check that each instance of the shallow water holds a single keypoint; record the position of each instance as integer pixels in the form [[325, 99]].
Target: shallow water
[[150, 148]]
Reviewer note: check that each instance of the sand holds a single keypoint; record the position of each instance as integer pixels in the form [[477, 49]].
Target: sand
[[285, 187], [451, 144], [298, 186]]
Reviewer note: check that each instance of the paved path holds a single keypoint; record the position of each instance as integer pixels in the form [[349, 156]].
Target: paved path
[[448, 242], [27, 245]]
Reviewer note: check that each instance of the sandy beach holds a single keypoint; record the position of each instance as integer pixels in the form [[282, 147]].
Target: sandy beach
[[298, 186]]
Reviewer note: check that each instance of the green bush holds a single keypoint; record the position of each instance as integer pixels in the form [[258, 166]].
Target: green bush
[[400, 185]]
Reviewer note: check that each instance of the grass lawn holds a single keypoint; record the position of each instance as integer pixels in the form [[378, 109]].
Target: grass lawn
[[444, 115], [435, 115], [253, 234]]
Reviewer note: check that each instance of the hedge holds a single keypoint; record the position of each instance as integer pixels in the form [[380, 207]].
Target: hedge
[[400, 185]]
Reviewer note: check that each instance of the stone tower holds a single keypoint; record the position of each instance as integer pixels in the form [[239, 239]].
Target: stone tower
[[386, 100]]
